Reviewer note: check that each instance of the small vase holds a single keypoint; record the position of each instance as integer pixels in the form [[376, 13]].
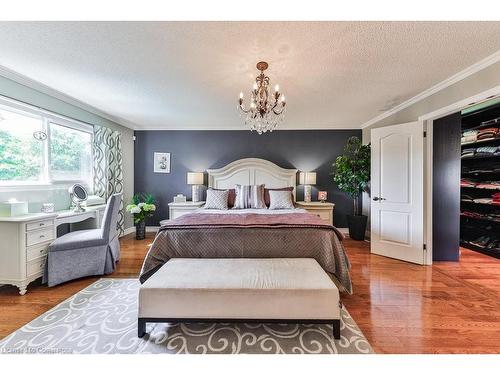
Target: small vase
[[140, 230]]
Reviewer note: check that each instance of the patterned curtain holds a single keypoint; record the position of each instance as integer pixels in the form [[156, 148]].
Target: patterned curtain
[[108, 172]]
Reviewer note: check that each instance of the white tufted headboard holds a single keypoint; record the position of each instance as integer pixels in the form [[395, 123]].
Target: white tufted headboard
[[252, 171]]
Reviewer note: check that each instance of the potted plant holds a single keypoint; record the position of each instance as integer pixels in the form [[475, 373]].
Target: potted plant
[[141, 207], [351, 173]]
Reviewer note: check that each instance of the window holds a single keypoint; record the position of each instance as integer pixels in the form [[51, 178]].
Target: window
[[70, 154], [21, 155], [37, 147]]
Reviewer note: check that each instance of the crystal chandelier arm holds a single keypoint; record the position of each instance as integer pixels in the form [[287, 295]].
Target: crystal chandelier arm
[[279, 112], [242, 108]]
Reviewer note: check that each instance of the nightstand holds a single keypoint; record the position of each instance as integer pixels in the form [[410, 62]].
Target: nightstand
[[323, 210], [176, 210]]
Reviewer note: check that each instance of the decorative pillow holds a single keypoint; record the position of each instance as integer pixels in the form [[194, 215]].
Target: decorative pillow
[[280, 199], [249, 196], [217, 199], [232, 196], [267, 200]]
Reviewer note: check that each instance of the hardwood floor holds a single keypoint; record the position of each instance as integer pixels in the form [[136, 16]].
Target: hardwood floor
[[401, 308]]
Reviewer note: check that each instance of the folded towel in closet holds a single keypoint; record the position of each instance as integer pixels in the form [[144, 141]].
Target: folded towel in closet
[[466, 198], [487, 151], [488, 185], [496, 199], [483, 200], [468, 139], [465, 182], [487, 133], [468, 152]]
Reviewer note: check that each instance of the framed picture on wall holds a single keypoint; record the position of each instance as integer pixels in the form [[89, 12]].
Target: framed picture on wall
[[161, 162]]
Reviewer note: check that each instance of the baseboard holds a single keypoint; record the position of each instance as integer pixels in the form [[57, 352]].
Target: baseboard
[[344, 231], [130, 230]]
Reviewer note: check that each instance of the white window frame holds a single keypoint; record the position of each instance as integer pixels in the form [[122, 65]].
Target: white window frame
[[47, 117]]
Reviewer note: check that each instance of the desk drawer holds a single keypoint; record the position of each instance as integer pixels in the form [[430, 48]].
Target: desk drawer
[[39, 236], [35, 267], [39, 224], [34, 252]]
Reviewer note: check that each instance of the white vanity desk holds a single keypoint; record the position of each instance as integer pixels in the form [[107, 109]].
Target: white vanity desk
[[25, 239]]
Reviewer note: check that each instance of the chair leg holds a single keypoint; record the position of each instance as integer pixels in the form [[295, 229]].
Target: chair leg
[[336, 329], [141, 327]]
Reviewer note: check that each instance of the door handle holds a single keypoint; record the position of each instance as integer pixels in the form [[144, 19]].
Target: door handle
[[378, 199]]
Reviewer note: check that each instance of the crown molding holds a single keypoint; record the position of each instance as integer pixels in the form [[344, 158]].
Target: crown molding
[[44, 89], [242, 127], [474, 68]]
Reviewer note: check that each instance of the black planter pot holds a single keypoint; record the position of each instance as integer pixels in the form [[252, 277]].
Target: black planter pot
[[357, 226], [140, 230]]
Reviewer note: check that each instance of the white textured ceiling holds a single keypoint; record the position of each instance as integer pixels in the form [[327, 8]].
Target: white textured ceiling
[[187, 75]]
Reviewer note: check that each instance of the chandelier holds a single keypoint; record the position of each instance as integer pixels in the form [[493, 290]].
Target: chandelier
[[266, 110]]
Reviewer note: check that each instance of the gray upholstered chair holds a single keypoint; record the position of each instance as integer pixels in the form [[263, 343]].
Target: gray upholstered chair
[[85, 252]]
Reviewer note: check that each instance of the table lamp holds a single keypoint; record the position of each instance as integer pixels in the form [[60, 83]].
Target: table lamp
[[195, 179], [307, 179]]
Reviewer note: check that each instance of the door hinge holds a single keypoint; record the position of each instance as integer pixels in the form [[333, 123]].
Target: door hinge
[[425, 246], [134, 137], [425, 134]]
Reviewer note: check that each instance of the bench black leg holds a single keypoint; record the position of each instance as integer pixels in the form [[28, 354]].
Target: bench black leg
[[141, 327], [336, 329]]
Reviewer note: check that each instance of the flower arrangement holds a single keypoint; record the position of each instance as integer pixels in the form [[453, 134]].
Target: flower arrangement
[[142, 206]]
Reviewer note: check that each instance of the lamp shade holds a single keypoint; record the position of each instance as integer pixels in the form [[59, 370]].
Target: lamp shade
[[307, 178], [195, 178]]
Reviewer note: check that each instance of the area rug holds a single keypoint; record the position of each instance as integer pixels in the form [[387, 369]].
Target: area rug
[[102, 318]]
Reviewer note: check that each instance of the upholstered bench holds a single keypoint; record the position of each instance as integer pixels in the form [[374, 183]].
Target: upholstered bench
[[222, 290]]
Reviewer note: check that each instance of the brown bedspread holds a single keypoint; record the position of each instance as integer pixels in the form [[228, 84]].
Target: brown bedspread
[[295, 235]]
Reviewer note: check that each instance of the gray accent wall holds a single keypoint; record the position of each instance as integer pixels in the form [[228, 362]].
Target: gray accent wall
[[306, 150]]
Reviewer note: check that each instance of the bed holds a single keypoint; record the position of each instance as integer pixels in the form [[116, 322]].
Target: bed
[[251, 233]]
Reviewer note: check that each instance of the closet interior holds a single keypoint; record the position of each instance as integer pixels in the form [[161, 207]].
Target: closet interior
[[480, 179]]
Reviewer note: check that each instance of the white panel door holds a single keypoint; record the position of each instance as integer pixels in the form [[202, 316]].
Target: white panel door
[[397, 202]]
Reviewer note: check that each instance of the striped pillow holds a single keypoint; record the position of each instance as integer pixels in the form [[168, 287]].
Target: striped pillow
[[249, 196]]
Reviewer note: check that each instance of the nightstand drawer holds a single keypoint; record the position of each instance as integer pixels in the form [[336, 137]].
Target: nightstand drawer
[[174, 214], [39, 224], [39, 236], [325, 215]]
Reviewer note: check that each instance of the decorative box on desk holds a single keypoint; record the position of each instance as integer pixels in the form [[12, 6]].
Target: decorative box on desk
[[322, 209], [176, 210]]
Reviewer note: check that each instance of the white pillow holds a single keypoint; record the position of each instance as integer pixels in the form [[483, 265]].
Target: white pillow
[[217, 199], [249, 196], [280, 199]]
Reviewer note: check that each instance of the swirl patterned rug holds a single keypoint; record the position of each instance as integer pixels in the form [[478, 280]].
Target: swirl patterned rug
[[102, 318]]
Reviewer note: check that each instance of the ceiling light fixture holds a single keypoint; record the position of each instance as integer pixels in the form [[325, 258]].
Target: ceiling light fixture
[[266, 111]]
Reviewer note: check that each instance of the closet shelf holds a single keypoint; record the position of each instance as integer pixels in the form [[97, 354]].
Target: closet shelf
[[481, 203], [480, 188], [481, 141], [480, 157], [479, 173], [481, 219]]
